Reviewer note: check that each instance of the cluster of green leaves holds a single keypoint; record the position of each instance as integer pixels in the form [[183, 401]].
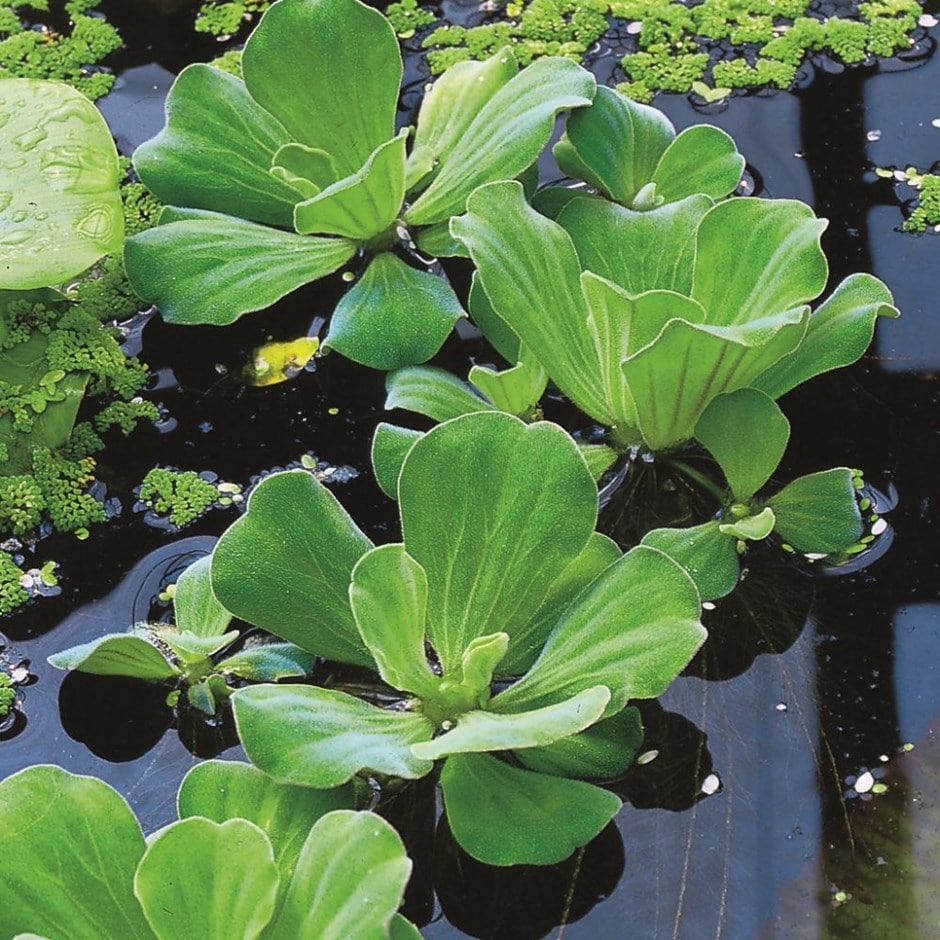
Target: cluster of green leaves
[[718, 43], [183, 495], [248, 857], [460, 604], [406, 17], [193, 655], [31, 49], [224, 18], [323, 180], [12, 593], [7, 693], [926, 212]]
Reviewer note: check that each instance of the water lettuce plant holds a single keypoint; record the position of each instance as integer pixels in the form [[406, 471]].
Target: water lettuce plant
[[500, 576], [248, 857], [314, 181], [188, 654]]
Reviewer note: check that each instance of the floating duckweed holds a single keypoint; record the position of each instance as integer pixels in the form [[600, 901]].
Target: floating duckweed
[[12, 592], [224, 18], [407, 17], [182, 496], [927, 209], [7, 693]]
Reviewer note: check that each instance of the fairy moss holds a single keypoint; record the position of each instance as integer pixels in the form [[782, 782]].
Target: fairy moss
[[180, 495], [226, 17], [32, 47], [927, 208], [12, 595], [406, 17]]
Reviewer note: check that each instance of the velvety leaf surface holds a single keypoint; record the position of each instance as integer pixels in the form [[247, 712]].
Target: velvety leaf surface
[[197, 608], [117, 654], [818, 512], [505, 136], [362, 205], [268, 662], [390, 445], [633, 630], [598, 553], [640, 251], [702, 159], [690, 364], [204, 879], [706, 554], [747, 433], [349, 881], [839, 332], [329, 71], [433, 392], [777, 263], [213, 122], [478, 731], [599, 457], [502, 815], [602, 752], [389, 594], [516, 390], [299, 162], [61, 207], [497, 331], [320, 738], [190, 647], [493, 510], [215, 268], [221, 790], [750, 528], [394, 316], [531, 274], [614, 145], [76, 845], [286, 565]]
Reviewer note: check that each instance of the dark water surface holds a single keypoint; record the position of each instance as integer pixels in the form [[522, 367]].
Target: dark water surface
[[746, 824]]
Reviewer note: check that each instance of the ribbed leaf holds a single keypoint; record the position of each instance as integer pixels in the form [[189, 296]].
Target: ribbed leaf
[[215, 268], [702, 159], [433, 392], [196, 607], [390, 445], [286, 566], [212, 122], [117, 654], [707, 555]]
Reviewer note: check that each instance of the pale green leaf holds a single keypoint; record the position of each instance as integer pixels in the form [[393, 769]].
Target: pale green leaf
[[214, 268], [749, 528], [478, 731], [190, 647], [388, 594], [708, 556], [321, 738], [480, 659], [286, 565], [118, 654], [61, 210], [503, 815], [267, 662], [394, 316], [490, 570], [516, 390], [196, 607], [702, 159], [330, 73], [433, 392], [212, 122], [600, 458], [311, 164], [210, 880], [390, 445]]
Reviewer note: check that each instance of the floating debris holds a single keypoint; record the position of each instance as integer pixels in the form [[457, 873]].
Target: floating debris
[[711, 784], [873, 135], [647, 757]]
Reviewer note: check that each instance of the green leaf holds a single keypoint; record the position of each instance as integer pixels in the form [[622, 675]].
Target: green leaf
[[633, 630], [502, 815], [530, 272], [192, 648], [362, 205], [344, 59], [221, 790], [640, 251], [747, 433], [390, 446], [602, 752], [118, 654], [818, 512], [436, 241], [498, 333], [615, 145], [478, 731], [690, 364], [349, 881], [489, 571], [600, 458], [433, 392], [516, 390], [61, 206], [212, 122], [839, 332], [403, 929], [777, 263], [197, 608], [750, 528], [394, 316], [455, 99], [598, 554], [480, 659], [314, 167], [286, 564], [76, 844], [388, 594], [214, 268], [707, 555], [321, 738], [702, 159], [506, 135], [268, 662], [232, 860]]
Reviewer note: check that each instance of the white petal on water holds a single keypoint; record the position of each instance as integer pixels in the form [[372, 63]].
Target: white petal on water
[[711, 784], [864, 783], [879, 527]]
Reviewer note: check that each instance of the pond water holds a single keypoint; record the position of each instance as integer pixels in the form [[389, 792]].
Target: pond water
[[794, 789]]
